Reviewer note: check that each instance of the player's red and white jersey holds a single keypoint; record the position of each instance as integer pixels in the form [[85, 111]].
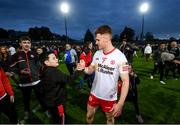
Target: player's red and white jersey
[[109, 66]]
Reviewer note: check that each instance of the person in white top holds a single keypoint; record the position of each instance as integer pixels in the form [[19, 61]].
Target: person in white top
[[108, 64], [12, 50], [148, 52]]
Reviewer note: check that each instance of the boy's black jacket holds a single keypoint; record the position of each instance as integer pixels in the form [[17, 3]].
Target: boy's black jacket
[[22, 60], [54, 84]]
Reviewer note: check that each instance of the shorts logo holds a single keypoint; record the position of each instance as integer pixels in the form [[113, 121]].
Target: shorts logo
[[97, 58]]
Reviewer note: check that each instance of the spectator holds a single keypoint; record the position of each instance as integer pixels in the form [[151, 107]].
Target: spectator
[[86, 55], [70, 58], [147, 52], [25, 63], [159, 63], [7, 105], [133, 93], [12, 50], [128, 50], [54, 83]]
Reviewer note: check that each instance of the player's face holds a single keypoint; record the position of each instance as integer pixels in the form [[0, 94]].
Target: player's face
[[26, 45], [52, 61], [100, 41]]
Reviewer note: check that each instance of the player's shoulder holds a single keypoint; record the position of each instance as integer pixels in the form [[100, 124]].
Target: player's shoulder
[[117, 51], [98, 52], [119, 55]]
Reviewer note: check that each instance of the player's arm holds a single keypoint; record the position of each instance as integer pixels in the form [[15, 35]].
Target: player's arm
[[124, 89], [90, 69]]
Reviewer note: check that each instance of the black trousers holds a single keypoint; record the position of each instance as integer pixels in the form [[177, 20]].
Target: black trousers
[[57, 119], [8, 109], [170, 66], [133, 97], [26, 91], [161, 67], [70, 67]]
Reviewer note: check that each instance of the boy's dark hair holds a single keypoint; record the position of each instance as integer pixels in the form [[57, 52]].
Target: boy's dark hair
[[23, 38], [103, 29], [44, 56]]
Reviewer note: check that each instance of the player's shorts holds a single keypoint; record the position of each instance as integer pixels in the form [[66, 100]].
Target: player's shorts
[[107, 106]]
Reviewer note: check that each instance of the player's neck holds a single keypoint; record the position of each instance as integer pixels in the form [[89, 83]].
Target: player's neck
[[108, 48]]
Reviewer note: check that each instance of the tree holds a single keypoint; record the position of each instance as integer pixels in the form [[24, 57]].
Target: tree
[[3, 34], [88, 36], [42, 33], [149, 36], [127, 33], [172, 38], [115, 38]]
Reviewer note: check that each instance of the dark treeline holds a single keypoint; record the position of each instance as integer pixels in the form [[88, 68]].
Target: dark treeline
[[38, 34]]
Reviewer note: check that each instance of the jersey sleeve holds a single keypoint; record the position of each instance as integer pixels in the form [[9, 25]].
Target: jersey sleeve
[[93, 63]]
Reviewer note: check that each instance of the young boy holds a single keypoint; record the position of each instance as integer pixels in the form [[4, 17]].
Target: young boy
[[54, 83]]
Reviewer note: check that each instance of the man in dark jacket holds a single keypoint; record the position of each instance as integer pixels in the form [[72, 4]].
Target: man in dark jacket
[[170, 65], [158, 63], [128, 50]]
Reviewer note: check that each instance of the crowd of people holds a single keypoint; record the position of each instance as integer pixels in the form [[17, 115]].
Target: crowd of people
[[107, 70]]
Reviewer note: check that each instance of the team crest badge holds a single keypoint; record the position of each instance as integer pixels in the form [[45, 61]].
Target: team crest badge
[[112, 62]]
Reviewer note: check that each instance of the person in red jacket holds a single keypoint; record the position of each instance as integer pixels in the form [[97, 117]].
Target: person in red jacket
[[87, 56], [7, 105]]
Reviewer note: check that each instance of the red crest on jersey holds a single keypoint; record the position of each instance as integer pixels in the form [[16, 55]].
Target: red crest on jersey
[[103, 58], [112, 62]]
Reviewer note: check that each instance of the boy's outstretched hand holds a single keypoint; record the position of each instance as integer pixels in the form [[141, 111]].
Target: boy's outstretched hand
[[80, 65]]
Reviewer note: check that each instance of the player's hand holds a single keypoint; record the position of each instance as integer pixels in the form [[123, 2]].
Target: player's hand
[[117, 110]]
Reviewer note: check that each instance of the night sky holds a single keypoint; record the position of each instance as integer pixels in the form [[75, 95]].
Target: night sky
[[162, 19]]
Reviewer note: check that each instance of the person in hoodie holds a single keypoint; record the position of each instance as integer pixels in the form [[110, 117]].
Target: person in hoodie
[[7, 105], [54, 82]]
